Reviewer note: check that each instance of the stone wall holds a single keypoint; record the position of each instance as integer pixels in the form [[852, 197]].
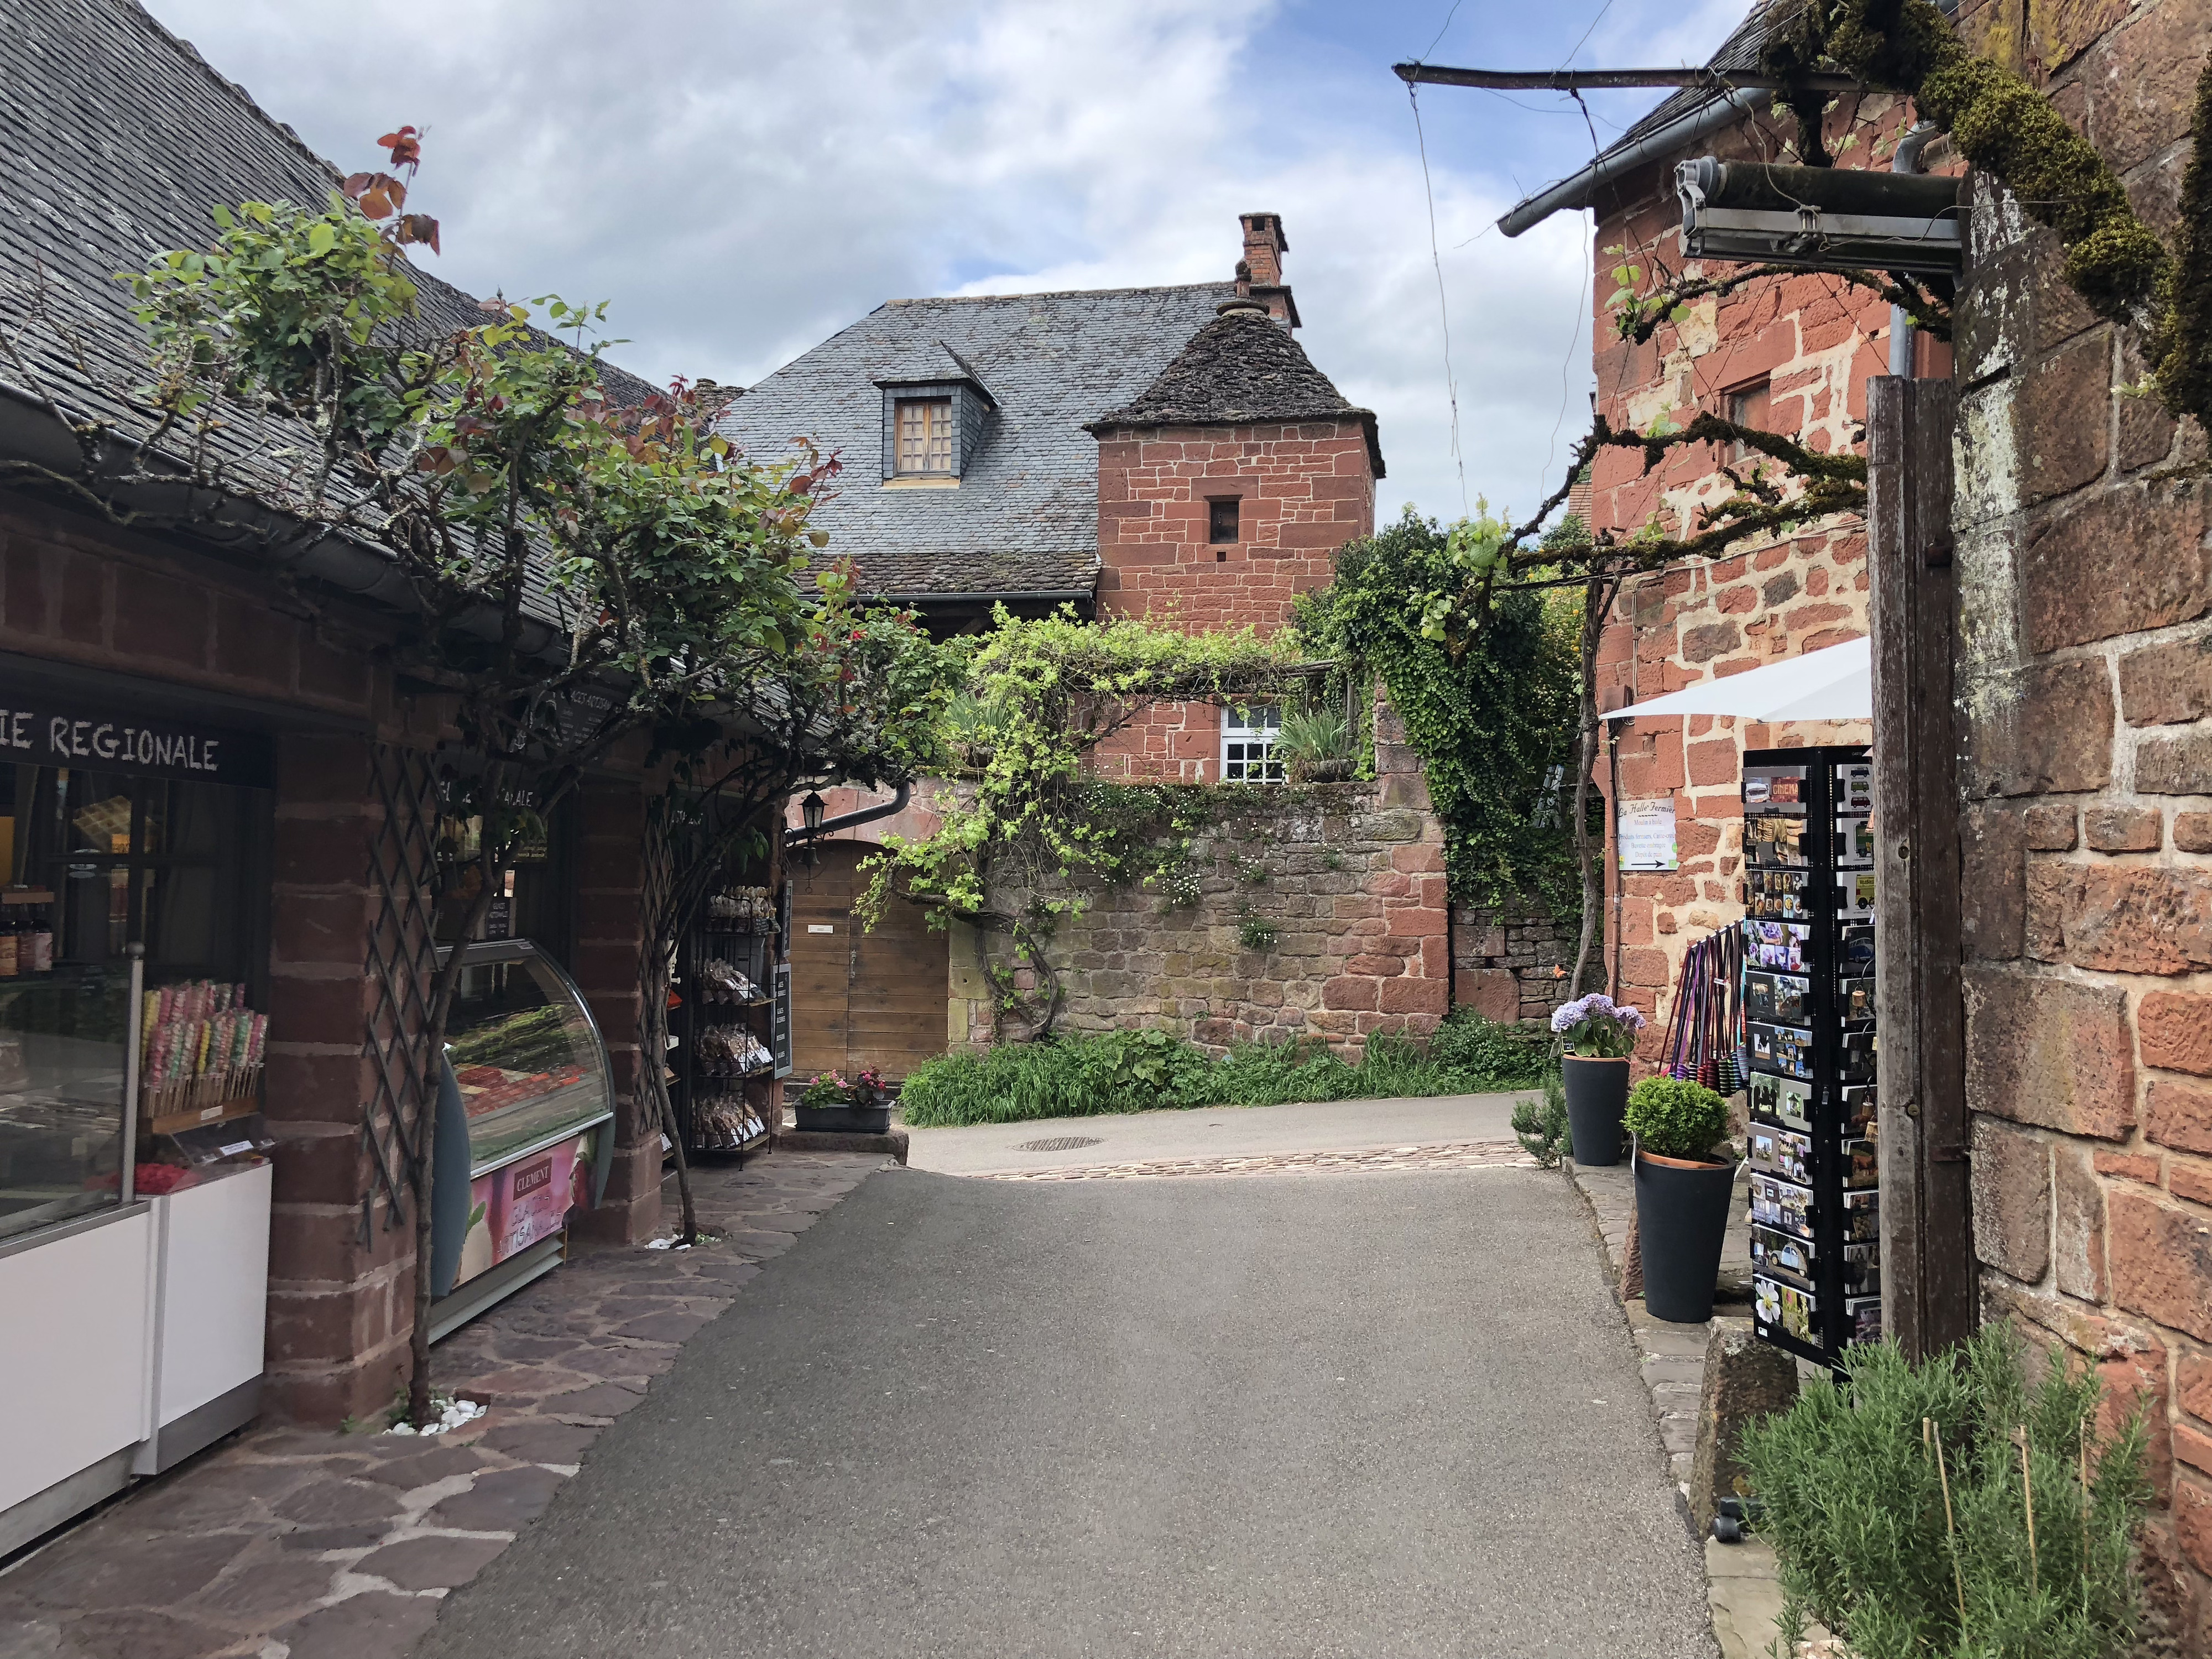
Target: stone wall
[[1509, 965], [1808, 343], [1351, 878], [2084, 687]]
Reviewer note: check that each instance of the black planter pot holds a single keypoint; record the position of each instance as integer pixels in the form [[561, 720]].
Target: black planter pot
[[1597, 1094], [844, 1120], [1681, 1217]]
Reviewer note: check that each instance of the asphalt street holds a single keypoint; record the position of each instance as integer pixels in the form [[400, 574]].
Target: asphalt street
[[1216, 1132], [1358, 1414]]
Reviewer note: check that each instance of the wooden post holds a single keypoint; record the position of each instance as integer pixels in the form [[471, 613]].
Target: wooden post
[[1927, 1275]]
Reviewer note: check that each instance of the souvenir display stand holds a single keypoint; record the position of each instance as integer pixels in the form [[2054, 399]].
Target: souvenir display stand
[[729, 1032], [525, 1128], [1808, 1008]]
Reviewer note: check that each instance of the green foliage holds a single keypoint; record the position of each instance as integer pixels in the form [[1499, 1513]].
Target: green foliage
[[1852, 1496], [1256, 933], [1081, 1076], [1316, 732], [1675, 1117], [1542, 1127], [1492, 714], [1036, 697], [1466, 1041]]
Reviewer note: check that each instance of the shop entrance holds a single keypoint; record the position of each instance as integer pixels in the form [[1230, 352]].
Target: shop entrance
[[861, 999]]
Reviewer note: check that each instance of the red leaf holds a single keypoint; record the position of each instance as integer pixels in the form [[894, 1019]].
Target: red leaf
[[374, 202], [406, 146], [355, 183], [421, 227]]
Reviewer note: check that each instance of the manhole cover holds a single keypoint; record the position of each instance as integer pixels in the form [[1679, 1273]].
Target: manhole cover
[[1057, 1144]]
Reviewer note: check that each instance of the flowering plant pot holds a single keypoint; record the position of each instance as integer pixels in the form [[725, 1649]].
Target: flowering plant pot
[[1681, 1218], [844, 1120], [1597, 1094]]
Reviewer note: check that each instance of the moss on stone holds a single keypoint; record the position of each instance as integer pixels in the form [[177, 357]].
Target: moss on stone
[[2183, 350]]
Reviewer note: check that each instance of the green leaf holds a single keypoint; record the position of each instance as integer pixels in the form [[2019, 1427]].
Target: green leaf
[[322, 237]]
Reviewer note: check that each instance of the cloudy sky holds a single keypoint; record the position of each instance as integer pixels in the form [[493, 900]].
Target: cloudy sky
[[742, 177]]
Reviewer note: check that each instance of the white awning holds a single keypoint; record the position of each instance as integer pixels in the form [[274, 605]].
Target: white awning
[[1835, 684]]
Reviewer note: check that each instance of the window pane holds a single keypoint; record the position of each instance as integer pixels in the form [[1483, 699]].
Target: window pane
[[925, 435], [99, 813], [1221, 521], [61, 1095]]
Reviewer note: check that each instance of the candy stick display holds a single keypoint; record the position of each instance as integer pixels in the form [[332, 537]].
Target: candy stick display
[[201, 1051]]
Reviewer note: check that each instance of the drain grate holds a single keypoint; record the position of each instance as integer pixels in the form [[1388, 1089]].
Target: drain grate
[[1058, 1143]]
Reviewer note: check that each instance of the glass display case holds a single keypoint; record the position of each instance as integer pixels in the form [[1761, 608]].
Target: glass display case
[[524, 1123], [63, 1127]]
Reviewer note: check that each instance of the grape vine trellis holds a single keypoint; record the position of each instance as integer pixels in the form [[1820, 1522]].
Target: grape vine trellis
[[1999, 123]]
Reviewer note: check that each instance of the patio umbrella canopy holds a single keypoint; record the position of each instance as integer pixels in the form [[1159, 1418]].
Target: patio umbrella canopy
[[1835, 684]]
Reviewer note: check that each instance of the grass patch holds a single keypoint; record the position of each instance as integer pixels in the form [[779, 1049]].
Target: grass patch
[[1086, 1075]]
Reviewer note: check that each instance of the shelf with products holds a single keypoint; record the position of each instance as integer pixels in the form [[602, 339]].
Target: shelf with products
[[722, 1057], [1809, 1046]]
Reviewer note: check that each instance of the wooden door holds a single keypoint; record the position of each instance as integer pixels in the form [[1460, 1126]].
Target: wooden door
[[861, 999]]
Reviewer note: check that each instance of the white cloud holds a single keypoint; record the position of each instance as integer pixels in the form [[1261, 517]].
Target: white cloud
[[742, 180]]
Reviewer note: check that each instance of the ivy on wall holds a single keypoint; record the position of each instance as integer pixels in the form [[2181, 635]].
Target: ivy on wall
[[1030, 832], [1492, 714]]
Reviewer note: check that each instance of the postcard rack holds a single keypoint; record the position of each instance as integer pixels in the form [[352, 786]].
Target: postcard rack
[[1809, 1049]]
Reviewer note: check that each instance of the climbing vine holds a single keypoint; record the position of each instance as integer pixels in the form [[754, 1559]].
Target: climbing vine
[[1999, 123], [1494, 718], [1028, 831]]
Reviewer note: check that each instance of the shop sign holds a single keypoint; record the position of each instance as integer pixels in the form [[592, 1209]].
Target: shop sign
[[1644, 832], [36, 731], [779, 1021]]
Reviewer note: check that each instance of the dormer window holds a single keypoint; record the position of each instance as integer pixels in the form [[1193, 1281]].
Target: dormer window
[[936, 416], [924, 436]]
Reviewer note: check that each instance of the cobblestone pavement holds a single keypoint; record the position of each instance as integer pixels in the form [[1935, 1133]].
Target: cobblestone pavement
[[1458, 1155], [293, 1544]]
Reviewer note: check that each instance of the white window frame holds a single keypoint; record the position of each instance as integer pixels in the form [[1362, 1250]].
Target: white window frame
[[1251, 740]]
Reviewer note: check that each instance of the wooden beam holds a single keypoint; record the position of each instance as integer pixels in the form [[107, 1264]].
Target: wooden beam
[[1928, 1276], [1437, 75]]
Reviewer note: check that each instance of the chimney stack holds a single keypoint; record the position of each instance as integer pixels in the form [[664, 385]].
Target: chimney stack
[[1260, 272]]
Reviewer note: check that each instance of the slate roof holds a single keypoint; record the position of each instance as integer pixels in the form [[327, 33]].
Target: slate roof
[[116, 139], [1238, 370], [1025, 517], [1739, 54]]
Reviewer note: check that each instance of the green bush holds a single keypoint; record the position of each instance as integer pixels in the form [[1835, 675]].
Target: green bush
[[2006, 1564], [1674, 1117], [1086, 1074], [1542, 1127]]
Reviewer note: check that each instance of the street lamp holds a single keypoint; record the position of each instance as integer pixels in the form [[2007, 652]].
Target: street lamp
[[810, 810]]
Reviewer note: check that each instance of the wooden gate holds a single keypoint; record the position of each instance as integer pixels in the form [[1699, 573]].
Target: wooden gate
[[860, 998]]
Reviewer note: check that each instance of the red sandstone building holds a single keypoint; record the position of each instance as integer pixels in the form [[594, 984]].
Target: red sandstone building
[[2082, 599], [1163, 452]]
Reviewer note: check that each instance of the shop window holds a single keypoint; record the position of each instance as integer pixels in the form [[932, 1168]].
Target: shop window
[[1250, 745], [90, 863], [531, 899]]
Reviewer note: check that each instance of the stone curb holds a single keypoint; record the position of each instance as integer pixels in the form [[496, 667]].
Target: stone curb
[[1741, 1588], [892, 1143], [314, 1544], [1453, 1155]]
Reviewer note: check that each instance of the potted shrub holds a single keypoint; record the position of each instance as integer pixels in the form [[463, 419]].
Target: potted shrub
[[1317, 742], [1682, 1193], [1598, 1034], [835, 1104]]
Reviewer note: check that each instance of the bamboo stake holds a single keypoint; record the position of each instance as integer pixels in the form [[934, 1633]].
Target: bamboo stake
[[1932, 1436], [2027, 1497], [2082, 1453]]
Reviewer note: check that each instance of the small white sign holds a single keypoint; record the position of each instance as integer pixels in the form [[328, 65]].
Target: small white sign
[[1644, 832], [820, 927]]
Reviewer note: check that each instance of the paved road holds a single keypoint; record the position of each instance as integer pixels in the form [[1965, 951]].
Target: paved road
[[1217, 1132], [1354, 1414]]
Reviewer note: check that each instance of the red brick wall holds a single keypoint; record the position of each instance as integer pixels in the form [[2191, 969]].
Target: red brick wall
[[1813, 340], [1302, 492], [2084, 685]]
